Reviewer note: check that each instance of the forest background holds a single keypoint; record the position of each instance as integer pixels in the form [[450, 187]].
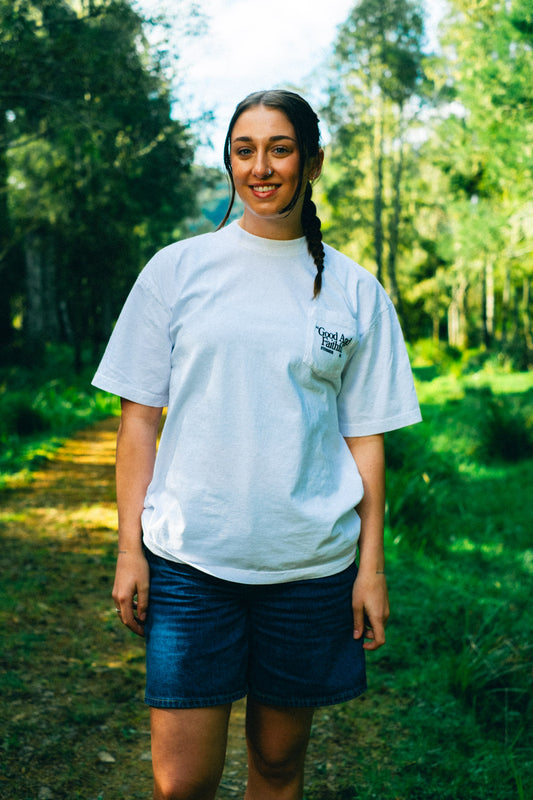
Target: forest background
[[428, 183], [428, 177]]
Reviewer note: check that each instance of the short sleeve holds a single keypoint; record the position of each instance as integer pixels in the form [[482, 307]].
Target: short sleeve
[[377, 392], [137, 360]]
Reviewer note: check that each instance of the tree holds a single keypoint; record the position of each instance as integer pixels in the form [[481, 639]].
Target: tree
[[374, 102], [98, 168], [485, 153]]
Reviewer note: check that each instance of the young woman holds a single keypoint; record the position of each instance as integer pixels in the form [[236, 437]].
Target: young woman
[[281, 364]]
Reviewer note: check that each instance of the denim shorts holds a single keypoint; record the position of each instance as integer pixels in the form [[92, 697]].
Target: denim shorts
[[211, 641]]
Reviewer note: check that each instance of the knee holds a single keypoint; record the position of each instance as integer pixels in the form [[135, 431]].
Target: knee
[[174, 787], [277, 766]]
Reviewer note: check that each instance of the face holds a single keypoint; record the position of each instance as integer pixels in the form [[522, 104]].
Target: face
[[265, 162]]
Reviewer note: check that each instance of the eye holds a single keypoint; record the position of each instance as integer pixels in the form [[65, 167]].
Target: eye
[[243, 152], [280, 150]]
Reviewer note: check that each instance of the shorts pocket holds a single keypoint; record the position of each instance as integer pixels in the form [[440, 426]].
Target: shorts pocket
[[330, 340]]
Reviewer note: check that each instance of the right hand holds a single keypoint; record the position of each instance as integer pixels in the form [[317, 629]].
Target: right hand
[[131, 588], [370, 601]]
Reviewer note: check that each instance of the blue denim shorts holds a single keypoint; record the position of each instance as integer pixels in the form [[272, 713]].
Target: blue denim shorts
[[210, 641]]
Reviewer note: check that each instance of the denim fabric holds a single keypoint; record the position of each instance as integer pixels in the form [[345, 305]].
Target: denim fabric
[[210, 641]]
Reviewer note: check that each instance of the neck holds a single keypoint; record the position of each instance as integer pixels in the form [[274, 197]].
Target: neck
[[282, 227]]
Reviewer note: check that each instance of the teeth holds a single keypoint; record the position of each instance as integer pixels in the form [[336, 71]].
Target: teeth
[[264, 188]]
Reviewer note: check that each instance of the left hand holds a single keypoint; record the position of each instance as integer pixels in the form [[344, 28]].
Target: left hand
[[370, 602]]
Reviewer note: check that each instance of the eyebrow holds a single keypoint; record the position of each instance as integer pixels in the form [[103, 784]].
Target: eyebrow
[[271, 139]]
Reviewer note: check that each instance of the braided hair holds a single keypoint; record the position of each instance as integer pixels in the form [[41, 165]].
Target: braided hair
[[312, 231], [305, 124]]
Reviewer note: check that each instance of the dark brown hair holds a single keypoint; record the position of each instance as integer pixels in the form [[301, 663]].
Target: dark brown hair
[[305, 123]]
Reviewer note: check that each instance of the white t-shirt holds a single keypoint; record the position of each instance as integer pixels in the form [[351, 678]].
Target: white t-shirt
[[253, 480]]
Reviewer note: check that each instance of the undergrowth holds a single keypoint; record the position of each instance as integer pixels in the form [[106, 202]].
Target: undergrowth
[[40, 406], [459, 656], [451, 691]]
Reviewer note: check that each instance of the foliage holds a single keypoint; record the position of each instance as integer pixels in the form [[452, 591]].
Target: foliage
[[428, 177], [95, 167], [425, 477], [422, 492], [449, 710], [39, 407], [505, 429], [430, 167], [212, 199], [375, 96], [485, 154]]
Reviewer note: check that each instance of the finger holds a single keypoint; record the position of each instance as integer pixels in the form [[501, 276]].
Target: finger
[[142, 604], [358, 622], [131, 620], [126, 613], [375, 636], [138, 620]]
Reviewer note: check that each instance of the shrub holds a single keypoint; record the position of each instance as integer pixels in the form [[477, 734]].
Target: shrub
[[421, 492], [19, 416], [432, 358], [504, 432], [40, 406]]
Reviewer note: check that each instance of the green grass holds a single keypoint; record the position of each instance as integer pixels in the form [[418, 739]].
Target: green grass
[[457, 671]]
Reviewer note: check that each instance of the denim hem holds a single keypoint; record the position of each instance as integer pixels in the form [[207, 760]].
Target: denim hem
[[309, 702], [194, 702]]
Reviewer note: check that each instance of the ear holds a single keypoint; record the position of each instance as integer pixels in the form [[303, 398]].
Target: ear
[[315, 165]]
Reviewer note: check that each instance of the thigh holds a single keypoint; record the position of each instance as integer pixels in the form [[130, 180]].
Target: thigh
[[302, 650], [188, 750]]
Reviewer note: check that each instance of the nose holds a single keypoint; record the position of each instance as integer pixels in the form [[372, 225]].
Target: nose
[[261, 167]]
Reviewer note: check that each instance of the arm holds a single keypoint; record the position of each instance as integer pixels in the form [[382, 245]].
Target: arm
[[136, 449], [370, 596]]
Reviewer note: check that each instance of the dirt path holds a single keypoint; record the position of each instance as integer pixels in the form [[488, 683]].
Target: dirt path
[[74, 677]]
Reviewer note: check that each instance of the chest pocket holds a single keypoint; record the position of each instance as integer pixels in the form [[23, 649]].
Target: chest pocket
[[330, 340]]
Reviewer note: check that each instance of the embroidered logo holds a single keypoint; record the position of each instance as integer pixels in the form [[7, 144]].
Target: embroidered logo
[[332, 341]]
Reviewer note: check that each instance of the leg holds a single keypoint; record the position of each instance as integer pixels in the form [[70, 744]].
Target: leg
[[277, 742], [188, 751]]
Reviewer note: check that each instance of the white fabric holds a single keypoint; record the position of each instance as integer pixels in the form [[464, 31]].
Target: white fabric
[[253, 480]]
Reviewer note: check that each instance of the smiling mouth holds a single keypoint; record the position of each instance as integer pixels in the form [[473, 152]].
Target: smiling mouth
[[264, 188]]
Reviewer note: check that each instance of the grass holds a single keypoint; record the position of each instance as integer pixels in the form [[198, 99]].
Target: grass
[[448, 714], [457, 671], [41, 406]]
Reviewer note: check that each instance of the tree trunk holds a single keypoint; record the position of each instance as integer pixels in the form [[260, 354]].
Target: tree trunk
[[487, 309], [41, 321], [34, 313], [526, 315], [394, 230], [491, 303], [457, 336], [6, 330], [435, 316], [378, 195], [506, 306]]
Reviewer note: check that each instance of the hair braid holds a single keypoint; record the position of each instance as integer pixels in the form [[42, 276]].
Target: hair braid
[[312, 230]]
